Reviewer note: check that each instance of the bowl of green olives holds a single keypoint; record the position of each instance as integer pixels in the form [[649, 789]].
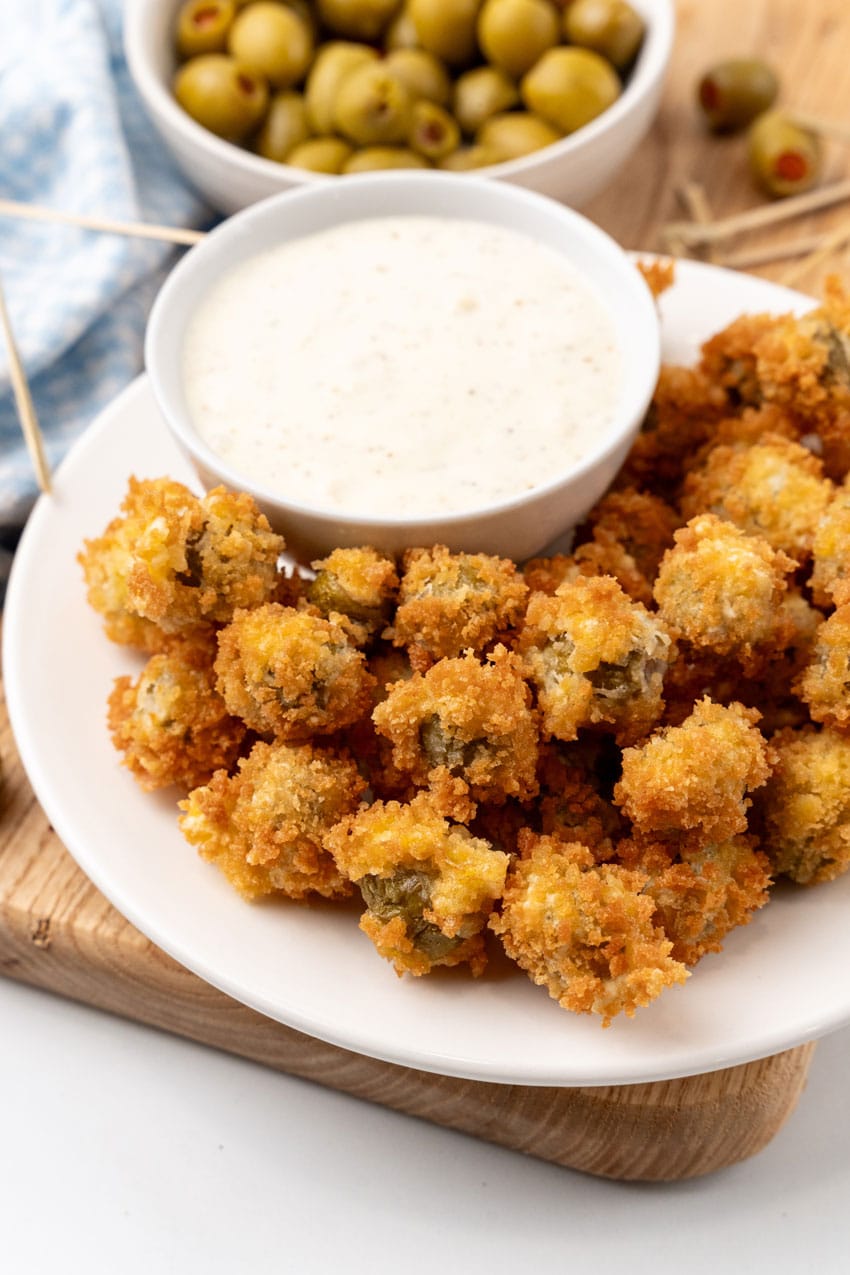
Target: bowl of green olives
[[257, 96]]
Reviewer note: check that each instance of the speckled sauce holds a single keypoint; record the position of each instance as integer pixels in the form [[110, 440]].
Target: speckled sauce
[[402, 366]]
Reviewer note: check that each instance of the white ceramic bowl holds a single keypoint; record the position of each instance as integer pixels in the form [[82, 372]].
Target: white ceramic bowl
[[573, 170], [517, 528]]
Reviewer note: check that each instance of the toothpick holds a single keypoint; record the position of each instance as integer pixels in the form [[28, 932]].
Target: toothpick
[[132, 229], [23, 400], [694, 235], [830, 243], [692, 195]]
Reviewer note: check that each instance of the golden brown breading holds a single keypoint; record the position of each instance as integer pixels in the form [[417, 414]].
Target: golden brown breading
[[805, 808], [722, 591], [546, 575], [359, 583], [684, 408], [596, 659], [583, 930], [178, 562], [659, 275], [466, 720], [266, 827], [692, 781], [452, 602], [824, 685], [728, 358], [374, 754], [830, 578], [291, 673], [428, 884], [572, 805], [625, 536], [171, 724], [774, 489]]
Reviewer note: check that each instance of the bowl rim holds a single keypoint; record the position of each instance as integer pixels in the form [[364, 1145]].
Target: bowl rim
[[650, 67], [198, 260]]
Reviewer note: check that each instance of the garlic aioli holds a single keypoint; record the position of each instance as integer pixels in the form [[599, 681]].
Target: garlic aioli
[[402, 367]]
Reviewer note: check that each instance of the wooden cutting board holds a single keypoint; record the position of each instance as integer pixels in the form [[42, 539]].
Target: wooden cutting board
[[59, 933]]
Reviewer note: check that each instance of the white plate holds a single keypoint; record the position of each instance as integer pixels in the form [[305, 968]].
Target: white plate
[[780, 981]]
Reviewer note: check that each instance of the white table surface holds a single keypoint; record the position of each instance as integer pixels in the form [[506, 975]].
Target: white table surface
[[128, 1151]]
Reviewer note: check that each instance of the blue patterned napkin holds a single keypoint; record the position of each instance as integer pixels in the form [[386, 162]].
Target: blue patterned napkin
[[73, 135]]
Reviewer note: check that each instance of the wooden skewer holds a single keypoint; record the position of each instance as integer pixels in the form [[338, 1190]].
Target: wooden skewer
[[694, 235], [695, 200], [23, 400], [768, 253], [831, 243], [133, 229], [814, 124]]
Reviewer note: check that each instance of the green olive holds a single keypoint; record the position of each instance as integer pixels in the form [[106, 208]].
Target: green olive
[[358, 19], [401, 33], [785, 159], [271, 40], [202, 26], [611, 28], [732, 93], [372, 107], [333, 63], [514, 134], [569, 87], [446, 28], [372, 158], [513, 34], [222, 95], [468, 158], [320, 155], [284, 127], [421, 74], [480, 93], [433, 132]]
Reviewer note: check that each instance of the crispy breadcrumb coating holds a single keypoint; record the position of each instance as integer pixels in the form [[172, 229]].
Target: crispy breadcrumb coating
[[175, 561], [428, 884], [546, 575], [805, 807], [291, 673], [625, 536], [452, 602], [359, 583], [572, 805], [722, 590], [830, 578], [583, 930], [596, 659], [685, 406], [171, 724], [466, 720], [692, 780], [266, 827], [728, 358], [824, 685], [659, 275]]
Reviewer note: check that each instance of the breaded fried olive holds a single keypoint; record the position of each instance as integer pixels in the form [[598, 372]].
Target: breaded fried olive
[[569, 87], [446, 28], [433, 132], [480, 93], [358, 19], [222, 95], [609, 27], [516, 133], [359, 583], [732, 93], [372, 159], [202, 26], [372, 107], [271, 40], [284, 127], [321, 155], [784, 158], [421, 74], [513, 34], [333, 63]]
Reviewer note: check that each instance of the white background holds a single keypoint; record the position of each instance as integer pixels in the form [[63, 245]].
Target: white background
[[126, 1150]]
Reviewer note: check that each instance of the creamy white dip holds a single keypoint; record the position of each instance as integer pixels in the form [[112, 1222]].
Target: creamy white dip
[[402, 366]]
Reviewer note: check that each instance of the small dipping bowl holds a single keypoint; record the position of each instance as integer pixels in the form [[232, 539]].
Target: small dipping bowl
[[518, 527]]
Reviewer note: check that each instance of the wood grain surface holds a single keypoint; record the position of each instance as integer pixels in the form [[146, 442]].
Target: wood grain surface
[[57, 932]]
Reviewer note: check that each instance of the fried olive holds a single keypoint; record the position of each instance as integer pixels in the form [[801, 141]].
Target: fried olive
[[421, 74], [371, 159], [467, 158], [513, 34], [372, 107], [480, 93], [271, 40], [609, 27], [433, 132], [514, 134], [222, 95], [333, 63], [569, 87], [446, 28], [202, 26], [785, 159], [401, 33], [284, 127], [358, 19], [732, 93], [320, 155]]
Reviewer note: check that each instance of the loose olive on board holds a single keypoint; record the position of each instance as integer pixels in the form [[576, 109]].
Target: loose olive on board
[[333, 63], [271, 40], [446, 28], [374, 158], [358, 19], [569, 87], [732, 93], [480, 93], [784, 158], [611, 28], [285, 127], [433, 132], [515, 134], [372, 107], [514, 34], [321, 155], [203, 26], [221, 95], [421, 74]]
